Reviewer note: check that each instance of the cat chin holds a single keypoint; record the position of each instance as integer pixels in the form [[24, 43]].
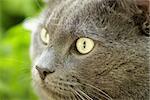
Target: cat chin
[[43, 93], [42, 89], [38, 85]]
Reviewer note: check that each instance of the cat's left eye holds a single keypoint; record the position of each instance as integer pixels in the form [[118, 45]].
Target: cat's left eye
[[44, 36]]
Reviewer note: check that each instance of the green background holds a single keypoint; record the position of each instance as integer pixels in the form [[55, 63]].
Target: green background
[[15, 64]]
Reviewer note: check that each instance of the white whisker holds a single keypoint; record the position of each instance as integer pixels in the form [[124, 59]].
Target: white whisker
[[88, 97]]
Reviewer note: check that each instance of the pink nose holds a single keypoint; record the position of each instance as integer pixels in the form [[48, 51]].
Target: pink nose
[[43, 72]]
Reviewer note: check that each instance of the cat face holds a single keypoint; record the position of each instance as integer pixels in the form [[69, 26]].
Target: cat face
[[90, 49]]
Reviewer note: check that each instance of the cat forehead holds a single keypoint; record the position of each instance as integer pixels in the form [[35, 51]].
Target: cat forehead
[[69, 19], [87, 16]]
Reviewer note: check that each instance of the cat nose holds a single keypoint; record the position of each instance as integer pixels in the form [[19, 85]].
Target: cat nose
[[43, 72]]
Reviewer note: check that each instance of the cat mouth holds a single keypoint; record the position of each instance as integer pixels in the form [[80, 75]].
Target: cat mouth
[[70, 88], [59, 90], [67, 90]]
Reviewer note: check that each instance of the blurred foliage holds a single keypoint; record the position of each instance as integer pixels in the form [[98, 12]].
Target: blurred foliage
[[14, 11], [15, 65]]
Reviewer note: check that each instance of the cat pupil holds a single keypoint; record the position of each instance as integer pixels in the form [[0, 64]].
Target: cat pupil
[[84, 44]]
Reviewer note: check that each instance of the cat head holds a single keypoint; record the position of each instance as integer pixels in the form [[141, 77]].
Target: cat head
[[91, 49]]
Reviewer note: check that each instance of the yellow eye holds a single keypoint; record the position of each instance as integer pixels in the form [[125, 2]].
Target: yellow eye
[[84, 45], [44, 36]]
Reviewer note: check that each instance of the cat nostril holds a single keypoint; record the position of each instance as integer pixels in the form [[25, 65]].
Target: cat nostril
[[43, 72]]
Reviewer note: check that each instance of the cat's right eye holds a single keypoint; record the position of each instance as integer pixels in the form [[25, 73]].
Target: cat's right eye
[[84, 45], [44, 36]]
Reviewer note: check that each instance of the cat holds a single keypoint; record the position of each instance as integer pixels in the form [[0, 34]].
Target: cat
[[92, 50]]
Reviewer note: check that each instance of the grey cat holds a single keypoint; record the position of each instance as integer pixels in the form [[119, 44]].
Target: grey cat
[[92, 50]]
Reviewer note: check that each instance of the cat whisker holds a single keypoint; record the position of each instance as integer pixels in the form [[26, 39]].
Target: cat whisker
[[68, 83], [78, 91], [65, 86], [100, 92], [73, 95], [85, 95], [78, 94], [85, 83]]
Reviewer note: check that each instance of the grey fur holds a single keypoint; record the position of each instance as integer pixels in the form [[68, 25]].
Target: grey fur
[[118, 66]]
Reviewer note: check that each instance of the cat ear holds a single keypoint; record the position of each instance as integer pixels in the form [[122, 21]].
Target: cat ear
[[144, 6], [139, 10]]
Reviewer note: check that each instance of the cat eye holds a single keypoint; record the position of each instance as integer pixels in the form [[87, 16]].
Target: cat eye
[[44, 36], [84, 45]]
